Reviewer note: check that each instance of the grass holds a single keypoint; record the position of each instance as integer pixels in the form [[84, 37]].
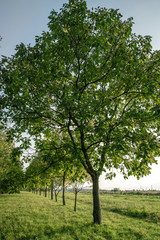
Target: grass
[[27, 216]]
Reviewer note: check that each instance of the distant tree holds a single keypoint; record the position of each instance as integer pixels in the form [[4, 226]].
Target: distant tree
[[46, 171], [91, 77], [57, 186], [57, 152], [78, 179], [11, 174], [38, 174], [115, 190]]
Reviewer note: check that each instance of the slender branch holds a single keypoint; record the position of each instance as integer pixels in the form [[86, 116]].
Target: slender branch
[[79, 65], [75, 148], [84, 150], [40, 172], [123, 112], [95, 143], [127, 92]]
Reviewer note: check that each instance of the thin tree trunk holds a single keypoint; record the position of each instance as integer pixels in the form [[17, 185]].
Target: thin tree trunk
[[48, 192], [51, 189], [40, 191], [75, 201], [63, 193], [45, 192], [55, 196], [96, 200]]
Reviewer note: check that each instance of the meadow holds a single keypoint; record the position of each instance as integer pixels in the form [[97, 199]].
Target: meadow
[[28, 216]]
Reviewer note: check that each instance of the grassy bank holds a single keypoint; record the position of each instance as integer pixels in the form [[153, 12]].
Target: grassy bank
[[27, 216]]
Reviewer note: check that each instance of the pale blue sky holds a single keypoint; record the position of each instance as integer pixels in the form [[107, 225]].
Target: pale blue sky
[[22, 20]]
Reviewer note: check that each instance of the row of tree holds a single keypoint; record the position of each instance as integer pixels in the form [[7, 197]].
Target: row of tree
[[40, 175], [54, 175], [89, 88]]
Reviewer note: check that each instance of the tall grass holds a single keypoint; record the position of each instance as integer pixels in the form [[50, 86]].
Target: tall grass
[[28, 216]]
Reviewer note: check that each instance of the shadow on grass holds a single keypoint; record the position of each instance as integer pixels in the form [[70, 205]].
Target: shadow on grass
[[66, 229], [84, 231], [51, 233], [135, 213]]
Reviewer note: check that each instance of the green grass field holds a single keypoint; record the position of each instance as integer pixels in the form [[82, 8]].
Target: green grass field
[[27, 216]]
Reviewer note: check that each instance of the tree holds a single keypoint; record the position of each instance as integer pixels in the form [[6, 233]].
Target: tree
[[39, 174], [57, 186], [56, 150], [78, 179], [11, 174], [47, 168], [91, 77]]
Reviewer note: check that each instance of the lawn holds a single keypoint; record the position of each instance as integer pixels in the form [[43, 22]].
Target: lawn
[[28, 216]]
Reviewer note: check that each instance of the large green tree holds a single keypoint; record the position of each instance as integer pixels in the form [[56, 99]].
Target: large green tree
[[91, 77]]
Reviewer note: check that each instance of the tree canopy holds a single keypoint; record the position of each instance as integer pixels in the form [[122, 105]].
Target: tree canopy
[[92, 78]]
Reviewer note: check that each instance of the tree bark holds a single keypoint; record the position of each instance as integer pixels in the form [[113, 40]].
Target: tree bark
[[51, 189], [63, 193], [75, 201], [56, 195], [45, 192], [97, 218]]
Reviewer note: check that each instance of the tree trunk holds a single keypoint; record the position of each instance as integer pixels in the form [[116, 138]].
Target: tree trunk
[[45, 192], [51, 189], [96, 200], [75, 201], [40, 191], [48, 192], [55, 195], [63, 193]]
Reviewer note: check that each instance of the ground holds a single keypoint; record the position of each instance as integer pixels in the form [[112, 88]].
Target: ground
[[28, 216]]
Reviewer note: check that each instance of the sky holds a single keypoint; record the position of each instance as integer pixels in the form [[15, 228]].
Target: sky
[[22, 20]]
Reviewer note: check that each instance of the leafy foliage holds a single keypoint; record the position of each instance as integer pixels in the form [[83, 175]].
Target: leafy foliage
[[11, 174]]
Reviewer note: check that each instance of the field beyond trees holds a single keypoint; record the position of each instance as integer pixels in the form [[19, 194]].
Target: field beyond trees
[[28, 216]]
